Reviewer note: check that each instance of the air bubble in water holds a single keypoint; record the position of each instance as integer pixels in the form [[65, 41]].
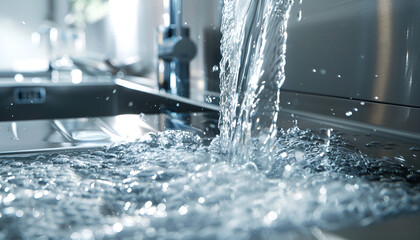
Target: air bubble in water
[[183, 210], [117, 227], [201, 200], [120, 74]]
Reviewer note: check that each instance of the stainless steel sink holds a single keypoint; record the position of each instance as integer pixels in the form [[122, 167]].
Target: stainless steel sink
[[100, 96], [22, 137], [96, 115]]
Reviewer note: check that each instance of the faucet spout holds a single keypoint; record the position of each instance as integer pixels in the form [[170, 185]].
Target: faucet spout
[[175, 51], [175, 15]]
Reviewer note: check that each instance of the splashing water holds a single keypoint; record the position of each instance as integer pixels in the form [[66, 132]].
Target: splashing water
[[252, 72], [170, 186]]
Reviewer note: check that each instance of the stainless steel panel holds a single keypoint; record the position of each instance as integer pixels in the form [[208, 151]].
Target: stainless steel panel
[[371, 116], [56, 100], [93, 97], [360, 49]]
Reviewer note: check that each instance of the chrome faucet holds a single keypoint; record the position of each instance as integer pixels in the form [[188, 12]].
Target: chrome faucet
[[175, 51]]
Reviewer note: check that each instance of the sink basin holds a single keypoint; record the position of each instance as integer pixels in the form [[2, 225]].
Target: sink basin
[[21, 138], [30, 136], [88, 116]]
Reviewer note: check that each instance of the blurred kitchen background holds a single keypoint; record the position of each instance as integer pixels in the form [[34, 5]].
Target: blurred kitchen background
[[37, 37]]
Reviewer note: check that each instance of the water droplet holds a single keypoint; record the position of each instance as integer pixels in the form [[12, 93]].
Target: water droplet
[[201, 200], [323, 72], [142, 115], [355, 109], [376, 97], [107, 98], [9, 198], [19, 213], [299, 16], [314, 70], [117, 227], [23, 23], [362, 103], [114, 91], [323, 190], [349, 113], [376, 75], [38, 195], [339, 76], [87, 234], [271, 216], [120, 74], [183, 210], [209, 99], [130, 104], [19, 77], [177, 104]]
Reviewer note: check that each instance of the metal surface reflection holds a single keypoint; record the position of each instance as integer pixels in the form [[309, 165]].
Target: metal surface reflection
[[356, 49]]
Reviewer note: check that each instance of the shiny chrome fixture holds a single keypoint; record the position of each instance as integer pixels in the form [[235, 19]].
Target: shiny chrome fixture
[[175, 51]]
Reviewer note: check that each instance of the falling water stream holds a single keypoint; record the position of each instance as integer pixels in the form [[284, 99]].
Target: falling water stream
[[254, 181], [252, 72]]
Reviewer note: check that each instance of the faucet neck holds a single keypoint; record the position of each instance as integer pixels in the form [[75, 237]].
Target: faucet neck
[[175, 16]]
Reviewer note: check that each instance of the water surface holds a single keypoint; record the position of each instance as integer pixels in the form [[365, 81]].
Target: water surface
[[170, 186]]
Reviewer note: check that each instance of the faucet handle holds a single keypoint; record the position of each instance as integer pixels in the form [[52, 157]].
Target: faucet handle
[[177, 48]]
